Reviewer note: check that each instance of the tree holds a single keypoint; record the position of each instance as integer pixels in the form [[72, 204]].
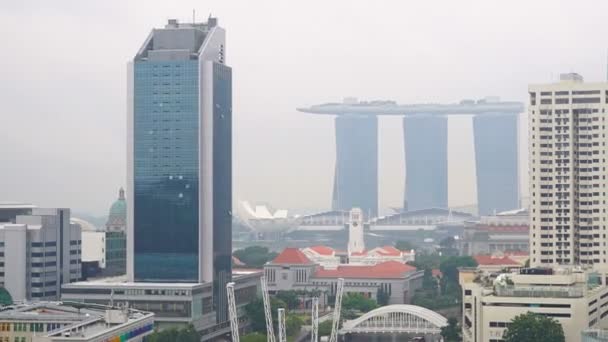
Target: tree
[[255, 312], [382, 297], [356, 301], [254, 256], [531, 327], [404, 245], [293, 323], [5, 297], [290, 298], [449, 267], [187, 334], [254, 337], [325, 328], [451, 332]]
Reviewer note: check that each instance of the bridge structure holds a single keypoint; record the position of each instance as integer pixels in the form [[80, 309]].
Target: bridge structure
[[398, 319], [425, 131]]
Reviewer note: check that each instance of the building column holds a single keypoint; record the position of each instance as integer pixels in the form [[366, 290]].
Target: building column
[[426, 161], [496, 156], [356, 170]]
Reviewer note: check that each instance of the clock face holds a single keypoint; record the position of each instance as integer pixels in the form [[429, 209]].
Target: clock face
[[355, 224]]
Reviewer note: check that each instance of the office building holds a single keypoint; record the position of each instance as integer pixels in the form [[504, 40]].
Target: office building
[[567, 138], [577, 299], [179, 159], [175, 305], [39, 251], [65, 322]]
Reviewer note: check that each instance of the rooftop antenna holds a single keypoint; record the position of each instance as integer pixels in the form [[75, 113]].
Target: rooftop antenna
[[193, 16]]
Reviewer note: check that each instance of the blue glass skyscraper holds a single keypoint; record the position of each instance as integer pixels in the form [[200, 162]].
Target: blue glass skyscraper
[[179, 158]]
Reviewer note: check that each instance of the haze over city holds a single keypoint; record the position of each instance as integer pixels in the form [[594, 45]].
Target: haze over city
[[64, 84]]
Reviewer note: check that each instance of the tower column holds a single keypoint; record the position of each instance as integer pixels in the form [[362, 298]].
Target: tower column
[[426, 161], [356, 170], [496, 162]]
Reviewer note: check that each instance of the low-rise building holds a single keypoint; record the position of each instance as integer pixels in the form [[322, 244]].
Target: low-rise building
[[576, 299], [328, 257], [39, 251], [503, 232], [175, 305], [65, 322], [293, 270], [497, 263]]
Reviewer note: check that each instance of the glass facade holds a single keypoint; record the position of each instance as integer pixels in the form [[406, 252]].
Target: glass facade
[[222, 186], [166, 174], [496, 159], [356, 172], [426, 162]]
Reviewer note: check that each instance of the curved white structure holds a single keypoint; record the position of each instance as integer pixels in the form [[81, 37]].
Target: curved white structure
[[263, 219], [400, 318], [85, 226]]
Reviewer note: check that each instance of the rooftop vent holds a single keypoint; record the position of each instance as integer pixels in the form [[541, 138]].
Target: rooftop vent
[[571, 76]]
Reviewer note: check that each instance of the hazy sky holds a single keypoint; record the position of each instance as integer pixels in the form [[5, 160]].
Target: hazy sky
[[63, 77]]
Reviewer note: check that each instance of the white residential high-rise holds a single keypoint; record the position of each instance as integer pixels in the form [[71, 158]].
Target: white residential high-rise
[[567, 138], [356, 243]]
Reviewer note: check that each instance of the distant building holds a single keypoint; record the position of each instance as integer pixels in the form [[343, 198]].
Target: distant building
[[356, 242], [293, 270], [497, 263], [328, 257], [117, 218], [568, 172], [576, 299], [39, 251], [503, 232], [62, 322]]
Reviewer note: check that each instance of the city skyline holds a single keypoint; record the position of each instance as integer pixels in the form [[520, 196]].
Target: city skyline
[[86, 105]]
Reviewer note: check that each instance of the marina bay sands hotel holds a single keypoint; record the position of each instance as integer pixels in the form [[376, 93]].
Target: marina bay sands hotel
[[425, 128]]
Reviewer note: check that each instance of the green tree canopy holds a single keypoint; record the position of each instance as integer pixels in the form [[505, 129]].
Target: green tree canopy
[[382, 297], [5, 297], [188, 334], [356, 301], [531, 327], [451, 332], [290, 298], [254, 337], [255, 312], [293, 323], [449, 267], [254, 256], [403, 245], [325, 328]]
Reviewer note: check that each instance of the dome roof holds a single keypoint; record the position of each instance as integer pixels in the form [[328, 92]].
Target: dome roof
[[118, 210]]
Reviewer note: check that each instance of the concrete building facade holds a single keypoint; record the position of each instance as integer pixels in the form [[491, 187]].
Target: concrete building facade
[[39, 251], [576, 299], [567, 138]]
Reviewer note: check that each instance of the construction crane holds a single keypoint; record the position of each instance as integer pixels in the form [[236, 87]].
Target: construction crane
[[282, 332], [314, 334], [234, 319], [267, 310], [338, 306]]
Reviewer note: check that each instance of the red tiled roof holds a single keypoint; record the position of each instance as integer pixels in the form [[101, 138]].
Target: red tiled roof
[[436, 273], [488, 260], [323, 250], [291, 256], [389, 269], [359, 253]]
